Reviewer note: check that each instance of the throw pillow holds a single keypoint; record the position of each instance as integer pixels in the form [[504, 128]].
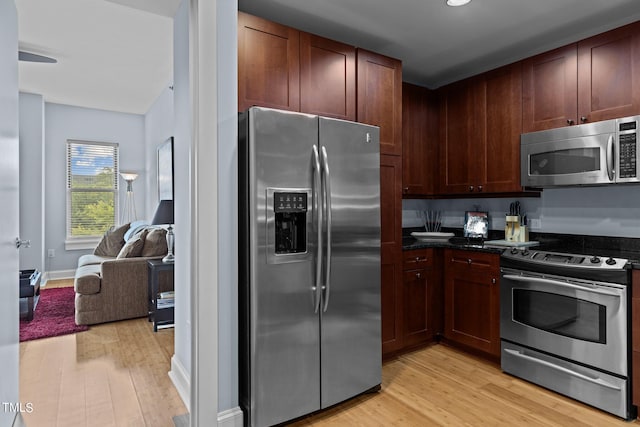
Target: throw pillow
[[133, 248], [112, 241], [134, 228], [155, 243]]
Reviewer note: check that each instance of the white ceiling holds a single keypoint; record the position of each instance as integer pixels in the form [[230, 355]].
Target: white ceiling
[[117, 54], [112, 54]]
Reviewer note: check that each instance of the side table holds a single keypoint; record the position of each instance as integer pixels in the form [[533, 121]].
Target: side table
[[160, 304]]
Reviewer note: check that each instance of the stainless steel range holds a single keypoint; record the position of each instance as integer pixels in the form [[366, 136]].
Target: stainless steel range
[[564, 325]]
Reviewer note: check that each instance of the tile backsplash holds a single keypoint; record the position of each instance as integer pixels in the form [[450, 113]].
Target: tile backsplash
[[612, 210]]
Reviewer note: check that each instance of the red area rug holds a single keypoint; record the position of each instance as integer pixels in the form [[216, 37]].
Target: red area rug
[[54, 315]]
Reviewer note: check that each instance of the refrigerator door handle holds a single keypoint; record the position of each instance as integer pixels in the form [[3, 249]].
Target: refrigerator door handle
[[317, 193], [326, 181]]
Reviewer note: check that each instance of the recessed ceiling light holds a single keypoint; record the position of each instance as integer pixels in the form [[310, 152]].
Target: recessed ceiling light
[[457, 2]]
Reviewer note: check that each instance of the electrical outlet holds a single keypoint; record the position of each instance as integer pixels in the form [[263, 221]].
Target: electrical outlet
[[51, 253], [536, 224]]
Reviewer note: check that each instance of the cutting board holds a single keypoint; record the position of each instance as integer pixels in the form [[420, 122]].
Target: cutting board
[[509, 244]]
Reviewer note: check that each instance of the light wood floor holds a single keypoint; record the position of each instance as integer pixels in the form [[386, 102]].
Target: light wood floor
[[114, 374], [440, 386]]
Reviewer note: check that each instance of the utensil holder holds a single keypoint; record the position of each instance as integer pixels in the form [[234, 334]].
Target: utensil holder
[[514, 231]]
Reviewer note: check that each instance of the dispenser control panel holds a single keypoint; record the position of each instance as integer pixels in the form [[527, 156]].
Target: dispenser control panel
[[290, 202]]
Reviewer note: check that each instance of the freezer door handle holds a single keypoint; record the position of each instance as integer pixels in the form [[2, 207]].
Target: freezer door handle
[[326, 198], [317, 193]]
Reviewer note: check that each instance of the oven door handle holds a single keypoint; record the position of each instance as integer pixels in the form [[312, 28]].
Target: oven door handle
[[594, 290], [596, 380]]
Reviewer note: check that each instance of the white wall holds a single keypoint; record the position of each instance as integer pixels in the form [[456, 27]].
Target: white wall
[[9, 163], [64, 122], [158, 127], [612, 210], [32, 180], [228, 205], [181, 362]]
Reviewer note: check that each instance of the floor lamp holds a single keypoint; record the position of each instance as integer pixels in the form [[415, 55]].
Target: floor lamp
[[129, 209]]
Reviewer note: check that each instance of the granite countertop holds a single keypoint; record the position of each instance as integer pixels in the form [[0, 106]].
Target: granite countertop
[[617, 247]]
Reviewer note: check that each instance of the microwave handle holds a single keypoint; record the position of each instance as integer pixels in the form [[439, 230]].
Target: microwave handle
[[610, 158]]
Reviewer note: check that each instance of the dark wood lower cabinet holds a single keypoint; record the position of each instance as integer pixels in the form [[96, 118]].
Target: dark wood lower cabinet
[[422, 297], [472, 300]]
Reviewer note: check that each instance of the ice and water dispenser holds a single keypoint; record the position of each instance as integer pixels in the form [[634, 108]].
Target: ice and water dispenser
[[290, 210]]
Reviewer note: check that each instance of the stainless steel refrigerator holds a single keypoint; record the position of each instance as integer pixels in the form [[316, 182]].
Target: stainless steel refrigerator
[[309, 263]]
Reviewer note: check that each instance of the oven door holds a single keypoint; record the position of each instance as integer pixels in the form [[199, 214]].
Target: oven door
[[579, 320]]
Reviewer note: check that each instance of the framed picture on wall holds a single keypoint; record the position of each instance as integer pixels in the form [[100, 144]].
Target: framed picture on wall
[[165, 170]]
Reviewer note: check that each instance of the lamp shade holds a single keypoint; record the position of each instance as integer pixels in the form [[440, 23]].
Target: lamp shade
[[164, 213]]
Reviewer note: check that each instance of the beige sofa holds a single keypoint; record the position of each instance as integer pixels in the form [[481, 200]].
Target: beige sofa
[[110, 288]]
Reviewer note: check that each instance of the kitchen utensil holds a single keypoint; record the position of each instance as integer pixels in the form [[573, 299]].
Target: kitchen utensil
[[432, 220]]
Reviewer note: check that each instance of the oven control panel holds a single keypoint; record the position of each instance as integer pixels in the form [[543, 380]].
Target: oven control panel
[[563, 259]]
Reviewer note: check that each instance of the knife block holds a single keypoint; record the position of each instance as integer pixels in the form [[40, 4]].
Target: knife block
[[514, 231]]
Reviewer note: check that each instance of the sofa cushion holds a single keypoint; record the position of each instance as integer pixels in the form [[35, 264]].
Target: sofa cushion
[[133, 248], [92, 259], [112, 241], [155, 243], [87, 280]]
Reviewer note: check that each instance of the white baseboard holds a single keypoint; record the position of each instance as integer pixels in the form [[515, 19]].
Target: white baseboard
[[181, 380], [231, 418], [56, 275]]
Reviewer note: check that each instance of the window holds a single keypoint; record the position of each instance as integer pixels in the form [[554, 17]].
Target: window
[[92, 191]]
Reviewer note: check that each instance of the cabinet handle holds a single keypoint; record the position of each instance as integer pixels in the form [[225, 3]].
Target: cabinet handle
[[405, 190], [583, 119], [479, 187], [471, 188], [418, 275], [493, 281], [469, 261], [418, 259], [569, 122]]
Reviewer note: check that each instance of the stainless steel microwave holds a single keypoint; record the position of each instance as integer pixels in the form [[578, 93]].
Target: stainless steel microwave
[[596, 153]]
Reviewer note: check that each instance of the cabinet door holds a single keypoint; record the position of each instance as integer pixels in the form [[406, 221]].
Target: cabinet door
[[635, 337], [609, 75], [391, 252], [416, 307], [500, 169], [461, 136], [268, 64], [549, 89], [419, 140], [472, 300], [379, 94], [327, 77]]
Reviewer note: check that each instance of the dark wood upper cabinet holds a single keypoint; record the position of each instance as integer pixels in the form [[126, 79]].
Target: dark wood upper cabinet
[[595, 79], [268, 64], [327, 77], [461, 135], [379, 93], [609, 75], [419, 140], [480, 127], [549, 89], [500, 171]]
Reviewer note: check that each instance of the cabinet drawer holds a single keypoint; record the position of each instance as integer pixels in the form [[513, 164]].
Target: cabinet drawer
[[417, 258], [458, 258]]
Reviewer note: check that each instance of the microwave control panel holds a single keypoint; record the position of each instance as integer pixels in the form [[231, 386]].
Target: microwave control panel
[[627, 143]]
